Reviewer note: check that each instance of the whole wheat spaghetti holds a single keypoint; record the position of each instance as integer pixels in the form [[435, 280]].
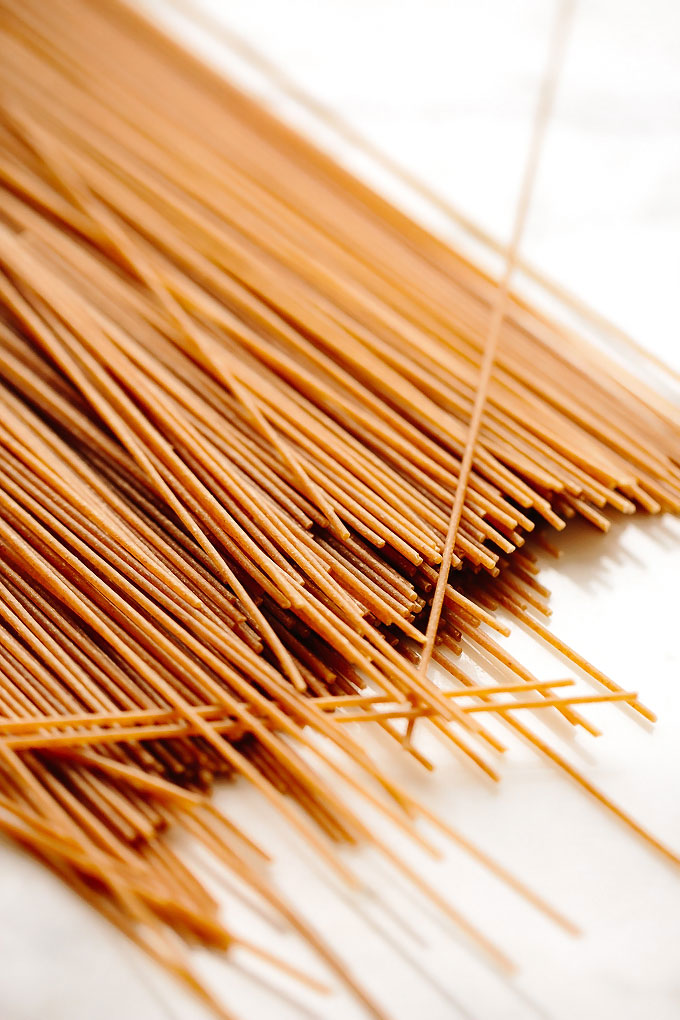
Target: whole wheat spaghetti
[[241, 393]]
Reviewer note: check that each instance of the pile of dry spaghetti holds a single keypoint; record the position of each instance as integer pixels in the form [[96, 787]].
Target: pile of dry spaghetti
[[236, 387]]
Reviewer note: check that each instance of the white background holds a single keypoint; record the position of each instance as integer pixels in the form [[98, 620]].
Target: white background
[[448, 89]]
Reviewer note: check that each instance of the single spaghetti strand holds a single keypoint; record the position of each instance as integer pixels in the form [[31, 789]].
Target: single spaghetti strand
[[544, 107]]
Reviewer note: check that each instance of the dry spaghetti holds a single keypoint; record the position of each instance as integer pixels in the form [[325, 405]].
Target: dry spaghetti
[[240, 394]]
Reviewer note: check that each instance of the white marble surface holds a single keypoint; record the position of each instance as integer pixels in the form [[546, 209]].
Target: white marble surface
[[448, 88]]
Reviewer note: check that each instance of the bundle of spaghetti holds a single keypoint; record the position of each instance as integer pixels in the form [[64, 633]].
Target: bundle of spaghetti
[[237, 389]]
